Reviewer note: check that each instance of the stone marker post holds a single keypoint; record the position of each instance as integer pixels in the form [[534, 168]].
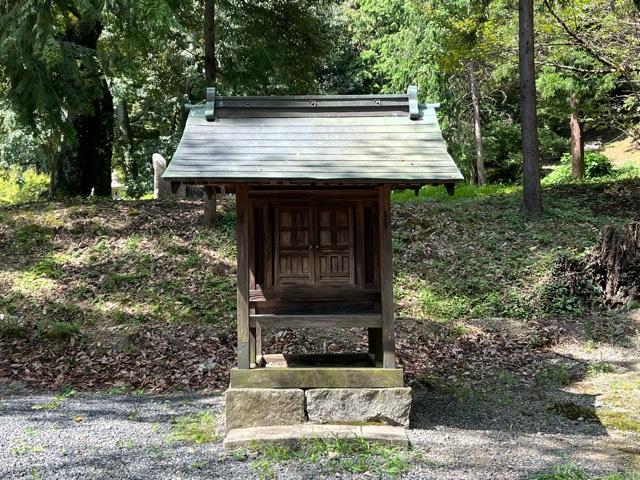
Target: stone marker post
[[161, 189]]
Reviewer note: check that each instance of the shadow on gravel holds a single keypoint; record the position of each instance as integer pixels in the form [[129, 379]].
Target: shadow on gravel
[[510, 403], [526, 413], [95, 407], [151, 461]]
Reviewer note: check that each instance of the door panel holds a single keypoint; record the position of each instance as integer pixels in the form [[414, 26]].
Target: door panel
[[334, 252], [293, 246], [314, 245]]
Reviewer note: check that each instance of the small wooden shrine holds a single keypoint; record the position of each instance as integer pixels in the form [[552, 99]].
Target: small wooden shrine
[[312, 176]]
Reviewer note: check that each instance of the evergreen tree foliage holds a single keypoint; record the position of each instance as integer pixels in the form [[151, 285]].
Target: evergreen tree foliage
[[88, 86], [72, 69]]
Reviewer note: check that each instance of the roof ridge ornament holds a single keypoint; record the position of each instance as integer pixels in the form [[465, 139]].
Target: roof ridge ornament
[[414, 109], [210, 105]]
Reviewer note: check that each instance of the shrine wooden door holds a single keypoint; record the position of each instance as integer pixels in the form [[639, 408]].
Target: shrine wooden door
[[314, 246], [334, 259], [294, 246]]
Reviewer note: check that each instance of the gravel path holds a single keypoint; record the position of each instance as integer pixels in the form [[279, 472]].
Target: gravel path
[[98, 436]]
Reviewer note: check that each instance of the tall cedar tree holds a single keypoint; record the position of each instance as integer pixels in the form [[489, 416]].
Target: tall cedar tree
[[210, 62], [49, 54], [528, 113], [63, 60]]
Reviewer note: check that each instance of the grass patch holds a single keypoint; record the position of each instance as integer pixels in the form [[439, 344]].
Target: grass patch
[[619, 420], [498, 263], [600, 367], [126, 444], [59, 331], [28, 237], [56, 402], [574, 411], [570, 471], [198, 428], [354, 456], [26, 449], [11, 327], [462, 191], [554, 375]]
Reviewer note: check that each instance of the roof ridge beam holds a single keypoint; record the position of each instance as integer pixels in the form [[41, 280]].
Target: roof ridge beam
[[414, 110], [210, 105]]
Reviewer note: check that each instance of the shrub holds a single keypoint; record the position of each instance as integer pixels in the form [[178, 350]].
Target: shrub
[[20, 186], [596, 165]]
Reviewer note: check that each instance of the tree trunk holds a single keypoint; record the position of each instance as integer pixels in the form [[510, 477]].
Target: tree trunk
[[615, 264], [83, 163], [129, 148], [210, 214], [577, 141], [96, 145], [532, 200], [477, 130], [210, 67]]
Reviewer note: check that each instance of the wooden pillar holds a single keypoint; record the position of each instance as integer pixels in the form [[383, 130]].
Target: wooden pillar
[[374, 335], [242, 234], [375, 344], [253, 351], [386, 278], [252, 284], [210, 214]]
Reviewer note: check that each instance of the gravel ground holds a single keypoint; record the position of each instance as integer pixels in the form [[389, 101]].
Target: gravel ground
[[99, 436]]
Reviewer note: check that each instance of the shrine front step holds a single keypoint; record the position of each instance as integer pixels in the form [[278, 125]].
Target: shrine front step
[[293, 436], [266, 407]]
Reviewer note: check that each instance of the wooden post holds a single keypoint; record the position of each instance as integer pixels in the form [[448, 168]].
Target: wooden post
[[242, 234], [210, 214], [252, 283], [253, 350], [374, 336], [386, 278], [360, 253]]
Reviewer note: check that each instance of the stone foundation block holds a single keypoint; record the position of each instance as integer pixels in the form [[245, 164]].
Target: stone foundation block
[[263, 407], [390, 406]]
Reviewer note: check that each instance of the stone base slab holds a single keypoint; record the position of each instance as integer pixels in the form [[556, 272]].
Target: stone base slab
[[255, 407], [292, 435], [390, 406]]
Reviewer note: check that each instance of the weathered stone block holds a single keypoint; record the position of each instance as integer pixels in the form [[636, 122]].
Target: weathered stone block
[[258, 407], [386, 405]]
